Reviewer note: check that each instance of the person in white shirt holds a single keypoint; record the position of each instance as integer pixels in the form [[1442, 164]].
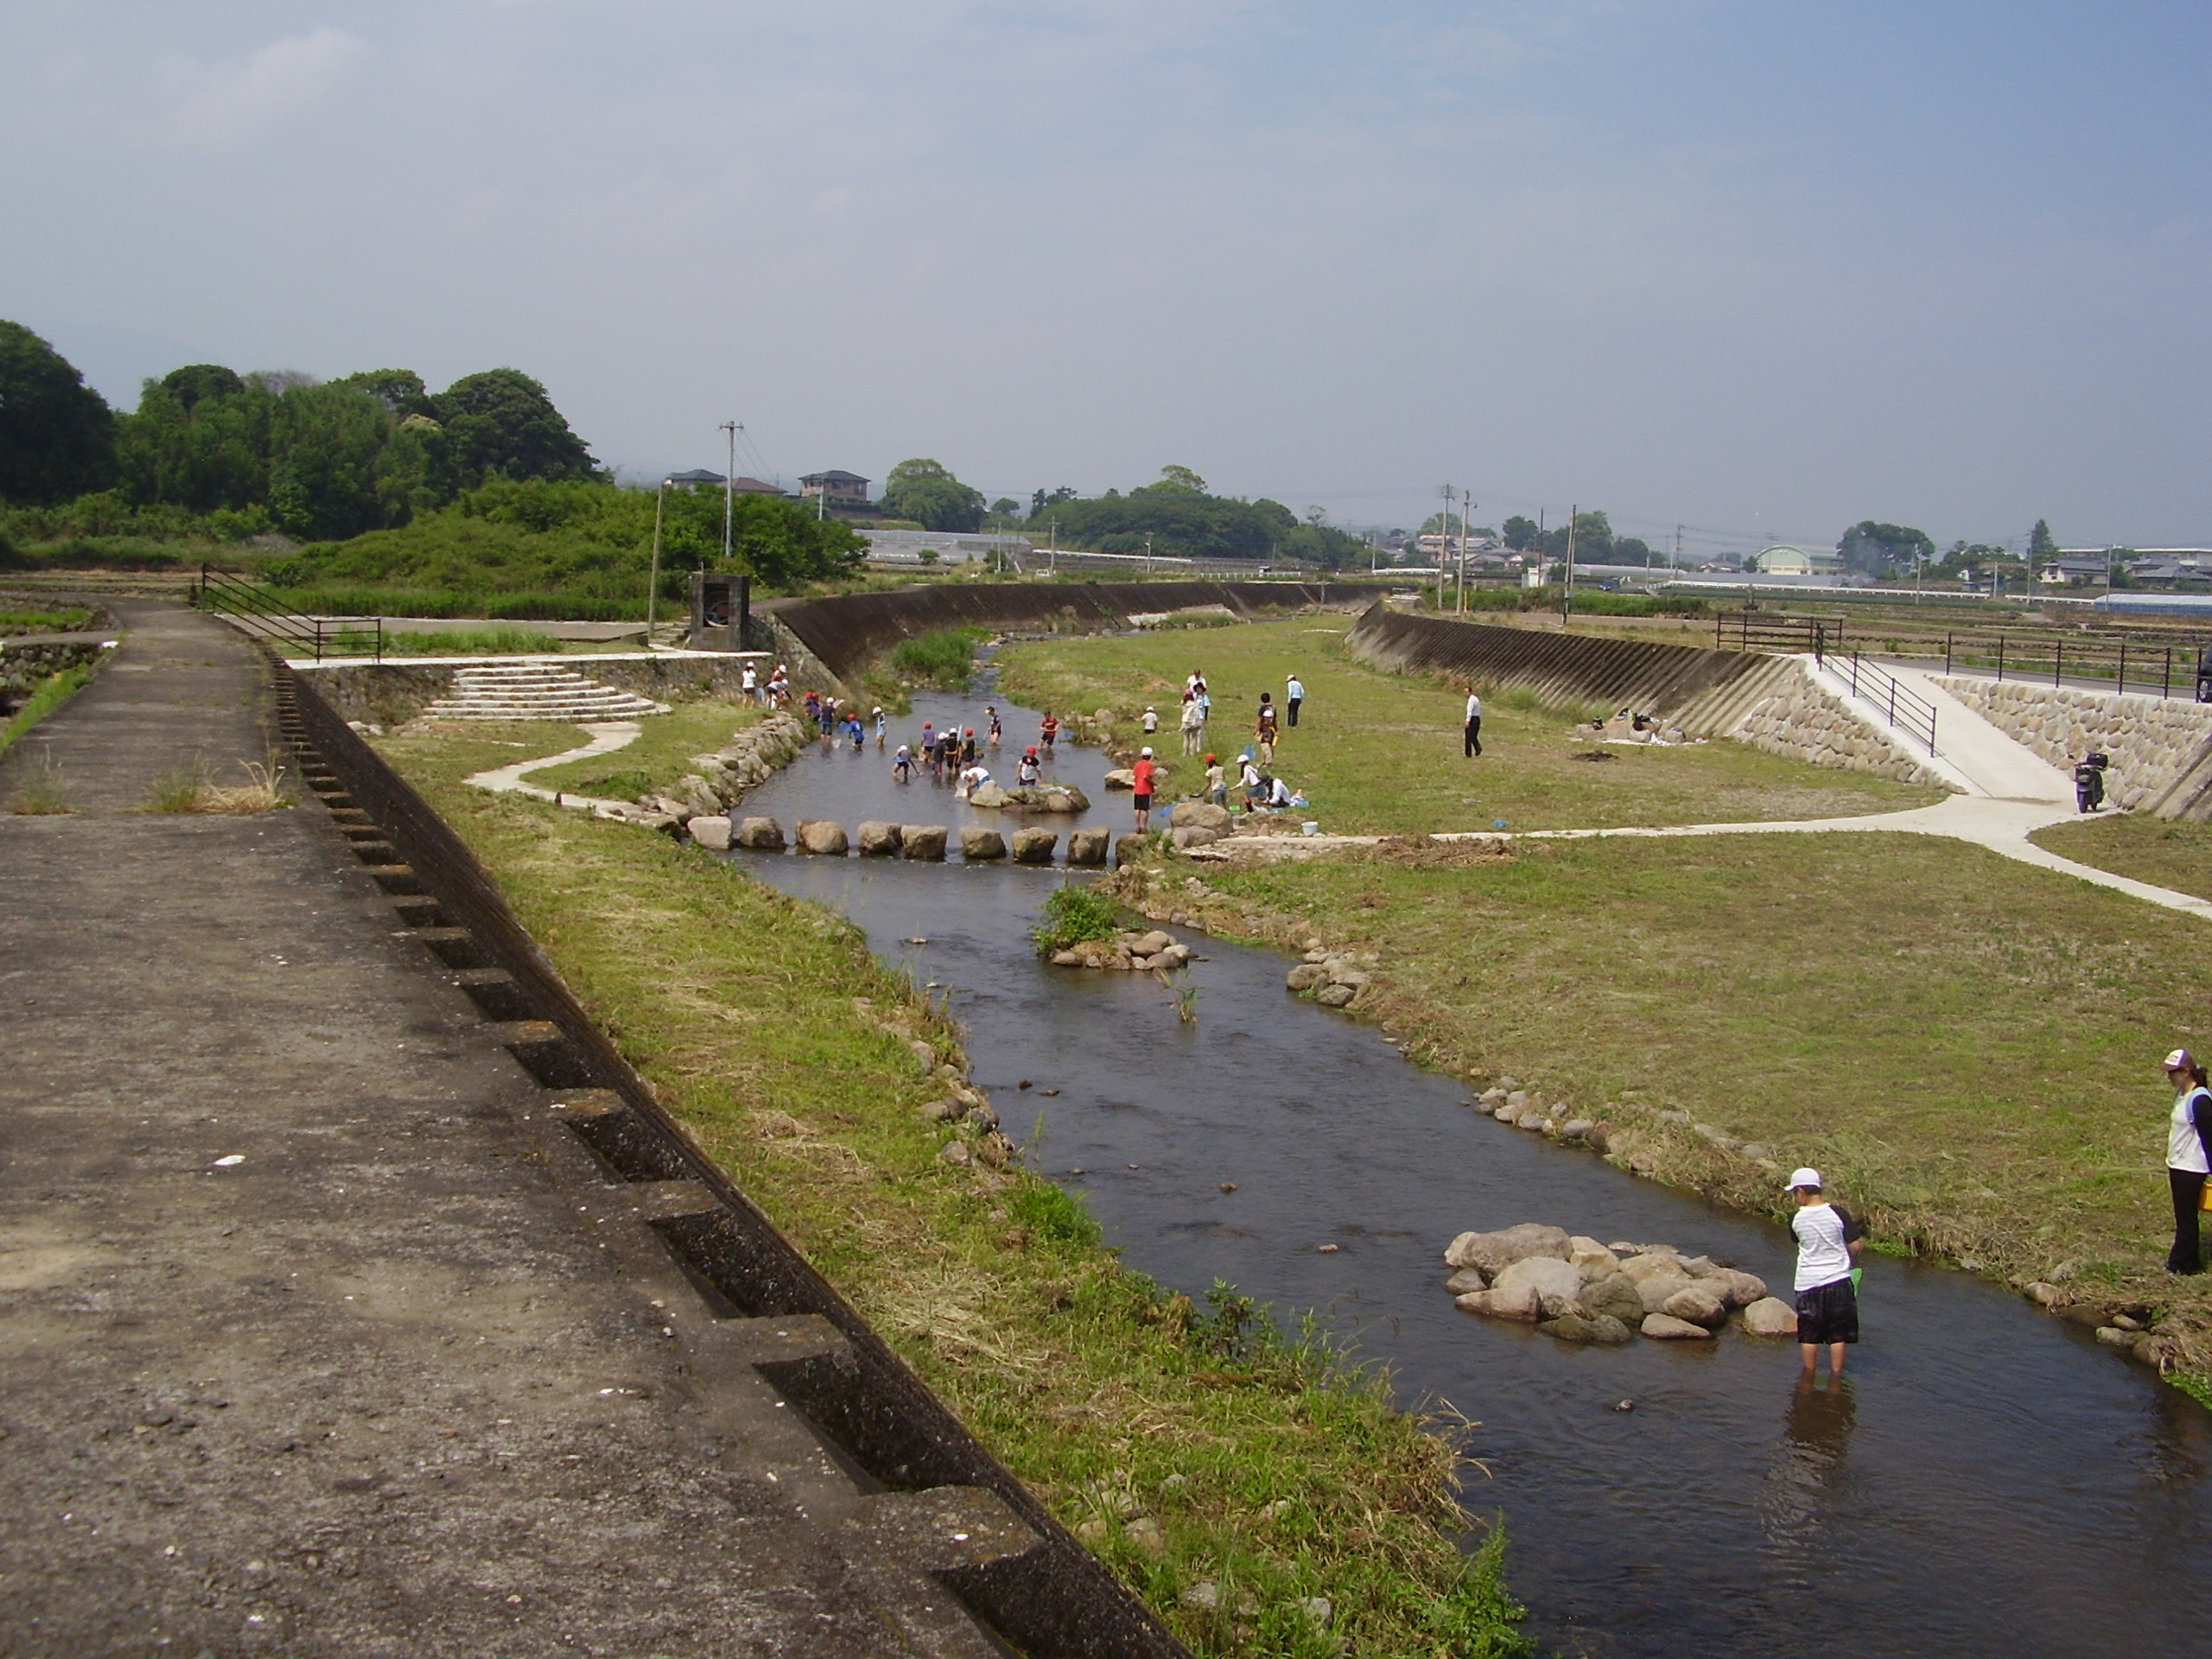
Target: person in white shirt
[[1827, 1301], [2189, 1138], [1474, 746], [1293, 694], [751, 681]]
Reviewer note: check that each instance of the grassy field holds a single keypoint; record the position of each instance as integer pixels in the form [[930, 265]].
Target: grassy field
[[2157, 850], [1379, 752], [1266, 1468], [1967, 1045], [661, 755]]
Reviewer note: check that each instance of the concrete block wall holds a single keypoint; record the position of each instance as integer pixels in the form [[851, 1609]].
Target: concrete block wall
[[1801, 720], [2154, 742], [391, 693]]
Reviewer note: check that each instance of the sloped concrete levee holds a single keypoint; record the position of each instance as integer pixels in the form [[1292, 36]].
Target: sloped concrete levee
[[359, 1300], [843, 633], [1643, 674]]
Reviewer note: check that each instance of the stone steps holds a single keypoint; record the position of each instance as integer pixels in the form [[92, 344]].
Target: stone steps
[[534, 691]]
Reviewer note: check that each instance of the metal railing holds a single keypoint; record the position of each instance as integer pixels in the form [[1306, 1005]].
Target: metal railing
[[261, 612], [2155, 669], [1905, 709], [1775, 631]]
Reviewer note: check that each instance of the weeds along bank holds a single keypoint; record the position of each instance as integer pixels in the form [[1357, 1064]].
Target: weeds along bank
[[1260, 1498]]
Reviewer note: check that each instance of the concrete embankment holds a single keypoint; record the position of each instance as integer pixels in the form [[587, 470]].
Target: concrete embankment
[[2161, 747], [842, 635], [360, 1299]]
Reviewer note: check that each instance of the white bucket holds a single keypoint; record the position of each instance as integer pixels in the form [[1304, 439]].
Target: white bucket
[[1310, 828]]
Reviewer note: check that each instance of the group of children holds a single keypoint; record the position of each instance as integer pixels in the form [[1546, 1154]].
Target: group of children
[[958, 751], [834, 718]]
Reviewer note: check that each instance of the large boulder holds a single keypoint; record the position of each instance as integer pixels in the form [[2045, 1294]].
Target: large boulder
[[823, 835], [1065, 798], [1335, 996], [1699, 1305], [1665, 1327], [1736, 1288], [762, 835], [990, 795], [1770, 1317], [1466, 1279], [1087, 847], [1183, 836], [1495, 1252], [1650, 1263], [1122, 777], [711, 832], [1575, 1327], [977, 843], [1523, 1304], [1129, 848], [1595, 1260], [1659, 1286], [1200, 814], [1557, 1283], [1616, 1296], [1306, 977], [921, 841], [1035, 846]]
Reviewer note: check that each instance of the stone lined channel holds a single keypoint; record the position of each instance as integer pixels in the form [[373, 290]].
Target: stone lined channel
[[1989, 1484]]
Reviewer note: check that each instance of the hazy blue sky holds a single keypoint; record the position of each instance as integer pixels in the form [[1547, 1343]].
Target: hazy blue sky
[[1756, 268]]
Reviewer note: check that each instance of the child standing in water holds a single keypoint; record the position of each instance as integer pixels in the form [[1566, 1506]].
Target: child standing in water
[[902, 765], [1049, 729], [1827, 1301], [996, 728]]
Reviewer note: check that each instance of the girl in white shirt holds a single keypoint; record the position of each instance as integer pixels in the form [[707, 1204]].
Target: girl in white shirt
[[2189, 1136]]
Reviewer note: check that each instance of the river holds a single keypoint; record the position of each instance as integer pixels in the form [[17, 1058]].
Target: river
[[1986, 1482]]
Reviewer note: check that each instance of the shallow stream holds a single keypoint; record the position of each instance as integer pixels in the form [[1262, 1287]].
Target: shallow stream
[[1987, 1483]]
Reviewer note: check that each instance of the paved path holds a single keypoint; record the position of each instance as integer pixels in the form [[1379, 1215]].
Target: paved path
[[607, 736], [317, 1336]]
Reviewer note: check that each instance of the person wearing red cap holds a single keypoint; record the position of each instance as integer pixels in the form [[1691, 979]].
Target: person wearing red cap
[[1142, 776], [2189, 1155]]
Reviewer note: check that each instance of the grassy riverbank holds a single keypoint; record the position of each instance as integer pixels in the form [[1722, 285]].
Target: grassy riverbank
[[1263, 1467], [1382, 752], [2157, 850], [1967, 1045], [661, 755]]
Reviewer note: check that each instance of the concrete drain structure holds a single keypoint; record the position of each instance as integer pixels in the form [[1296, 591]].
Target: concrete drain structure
[[921, 1501]]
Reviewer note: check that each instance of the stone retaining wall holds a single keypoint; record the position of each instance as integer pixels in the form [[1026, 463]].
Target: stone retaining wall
[[1804, 721], [2153, 741], [23, 667]]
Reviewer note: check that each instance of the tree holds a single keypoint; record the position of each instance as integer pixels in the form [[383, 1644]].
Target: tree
[[2041, 543], [196, 382], [1040, 500], [926, 492], [1520, 533], [1868, 547], [57, 434], [1006, 508], [501, 424], [1176, 478], [400, 390]]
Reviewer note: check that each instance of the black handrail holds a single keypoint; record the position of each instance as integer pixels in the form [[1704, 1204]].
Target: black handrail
[[2095, 661], [262, 613], [1905, 709]]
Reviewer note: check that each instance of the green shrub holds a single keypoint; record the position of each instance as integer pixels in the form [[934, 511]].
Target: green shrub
[[946, 659], [1072, 915]]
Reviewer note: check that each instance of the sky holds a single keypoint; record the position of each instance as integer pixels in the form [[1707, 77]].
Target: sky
[[1757, 269]]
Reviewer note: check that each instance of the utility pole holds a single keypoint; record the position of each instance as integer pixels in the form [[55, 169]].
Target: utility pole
[[1443, 563], [1466, 504], [729, 488], [1567, 600], [652, 589], [1677, 564]]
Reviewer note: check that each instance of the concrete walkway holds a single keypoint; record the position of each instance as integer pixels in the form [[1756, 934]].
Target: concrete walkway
[[1975, 755], [607, 736], [317, 1334]]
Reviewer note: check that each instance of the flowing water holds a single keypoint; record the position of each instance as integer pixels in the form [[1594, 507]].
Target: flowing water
[[1985, 1482]]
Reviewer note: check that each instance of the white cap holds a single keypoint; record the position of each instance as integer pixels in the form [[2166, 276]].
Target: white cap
[[2178, 1060], [1147, 754], [1802, 1177]]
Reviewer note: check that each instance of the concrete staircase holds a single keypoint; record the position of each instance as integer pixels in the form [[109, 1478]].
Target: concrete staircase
[[534, 691]]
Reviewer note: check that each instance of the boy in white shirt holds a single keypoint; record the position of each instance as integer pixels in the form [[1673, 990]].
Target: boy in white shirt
[[1827, 1301]]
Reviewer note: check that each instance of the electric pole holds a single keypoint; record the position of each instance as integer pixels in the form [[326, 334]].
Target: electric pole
[[729, 488], [1567, 600]]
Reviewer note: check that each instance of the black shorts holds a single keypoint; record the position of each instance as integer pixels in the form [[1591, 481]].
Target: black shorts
[[1828, 1313], [1143, 803]]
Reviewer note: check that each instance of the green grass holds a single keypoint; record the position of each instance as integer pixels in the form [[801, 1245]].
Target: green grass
[[1073, 914], [473, 642], [67, 619], [1269, 1468], [1967, 1046], [661, 755], [48, 696], [2158, 850], [1380, 754]]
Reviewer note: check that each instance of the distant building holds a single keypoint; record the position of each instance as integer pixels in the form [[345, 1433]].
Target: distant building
[[2074, 570], [944, 547], [1784, 560], [697, 475], [835, 489], [756, 486]]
